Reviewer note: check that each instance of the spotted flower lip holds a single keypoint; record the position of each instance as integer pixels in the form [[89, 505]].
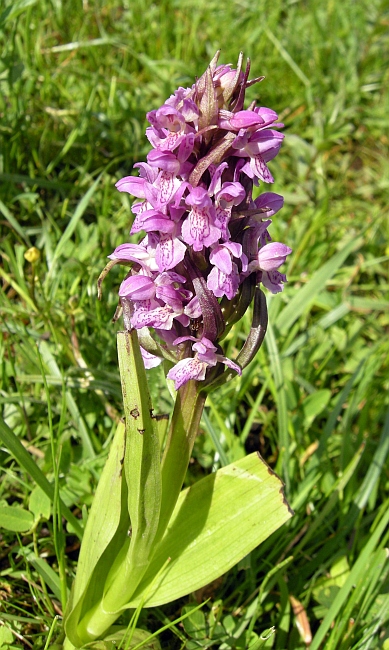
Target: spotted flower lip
[[207, 243], [195, 368]]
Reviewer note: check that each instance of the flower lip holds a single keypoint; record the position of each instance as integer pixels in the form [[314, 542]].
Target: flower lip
[[166, 117], [231, 193], [129, 252]]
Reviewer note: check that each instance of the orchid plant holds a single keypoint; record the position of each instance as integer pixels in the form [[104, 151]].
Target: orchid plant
[[206, 254]]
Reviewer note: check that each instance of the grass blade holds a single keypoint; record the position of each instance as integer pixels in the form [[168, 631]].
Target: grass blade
[[88, 450], [375, 468], [14, 223], [79, 211], [355, 574], [305, 296], [280, 399]]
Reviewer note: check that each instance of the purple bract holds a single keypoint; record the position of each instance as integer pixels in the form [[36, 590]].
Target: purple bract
[[206, 246]]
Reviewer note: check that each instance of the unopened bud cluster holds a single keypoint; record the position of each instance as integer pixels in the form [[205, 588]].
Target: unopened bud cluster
[[207, 244]]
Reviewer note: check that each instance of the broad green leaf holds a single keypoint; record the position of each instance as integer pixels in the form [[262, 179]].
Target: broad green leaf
[[39, 503], [216, 522], [142, 470], [104, 516], [195, 624], [327, 587], [16, 519]]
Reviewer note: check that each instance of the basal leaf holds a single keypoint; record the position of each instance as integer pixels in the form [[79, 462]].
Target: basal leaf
[[104, 516], [216, 522], [105, 533], [116, 575]]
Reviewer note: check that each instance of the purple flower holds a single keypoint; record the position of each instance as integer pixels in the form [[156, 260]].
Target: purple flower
[[204, 234], [187, 369], [260, 147], [170, 251], [199, 229], [273, 280], [240, 120], [150, 360], [269, 202], [196, 367], [270, 257], [137, 287], [224, 278]]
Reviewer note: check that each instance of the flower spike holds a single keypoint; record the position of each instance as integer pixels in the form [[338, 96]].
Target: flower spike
[[206, 250]]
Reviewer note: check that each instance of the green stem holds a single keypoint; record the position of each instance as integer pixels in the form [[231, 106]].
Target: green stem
[[182, 432]]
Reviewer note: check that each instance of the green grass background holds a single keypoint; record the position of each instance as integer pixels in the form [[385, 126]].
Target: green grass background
[[76, 79]]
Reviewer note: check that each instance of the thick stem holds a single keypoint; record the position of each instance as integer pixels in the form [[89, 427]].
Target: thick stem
[[181, 436], [96, 624]]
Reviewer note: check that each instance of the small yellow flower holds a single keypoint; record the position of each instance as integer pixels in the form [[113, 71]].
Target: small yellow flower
[[32, 255]]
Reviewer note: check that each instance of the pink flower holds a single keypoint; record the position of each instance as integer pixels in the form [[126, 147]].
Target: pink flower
[[196, 367], [205, 235]]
